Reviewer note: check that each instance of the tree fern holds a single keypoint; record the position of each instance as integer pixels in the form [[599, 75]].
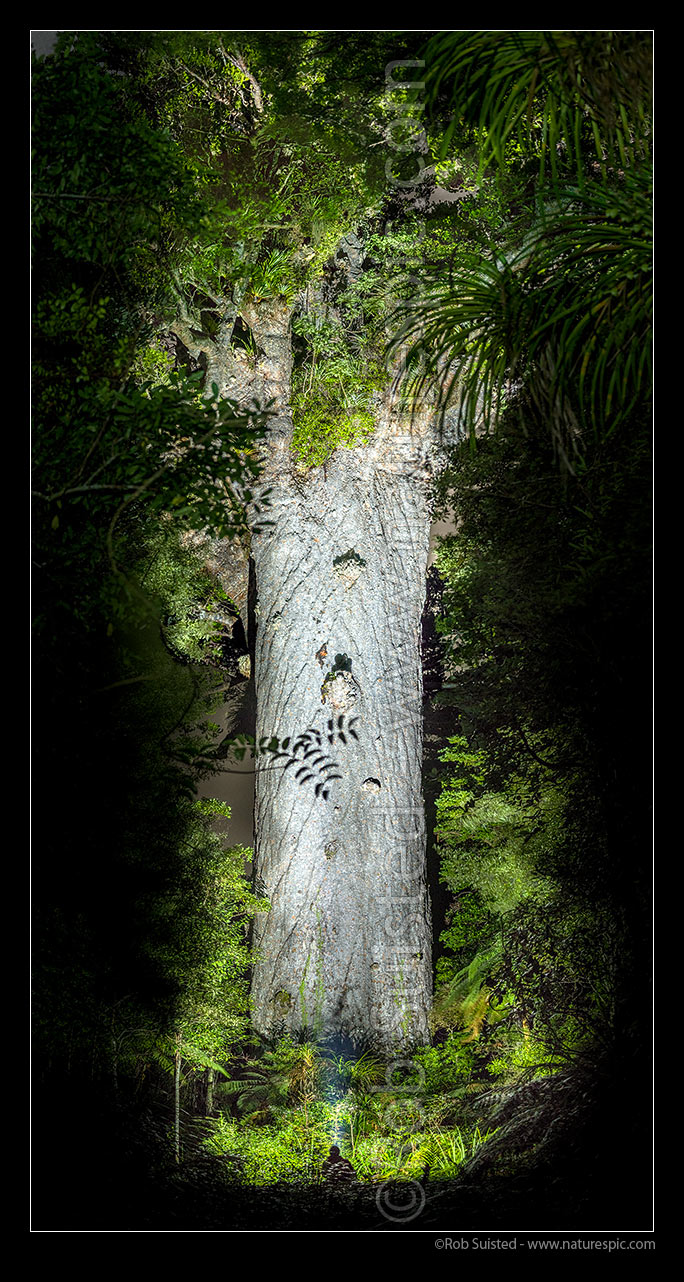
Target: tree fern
[[465, 1000]]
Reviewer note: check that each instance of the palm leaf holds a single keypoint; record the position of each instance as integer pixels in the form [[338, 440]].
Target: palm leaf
[[567, 316], [548, 91]]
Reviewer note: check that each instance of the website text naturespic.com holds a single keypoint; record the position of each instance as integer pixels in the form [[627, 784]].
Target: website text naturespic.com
[[543, 1244]]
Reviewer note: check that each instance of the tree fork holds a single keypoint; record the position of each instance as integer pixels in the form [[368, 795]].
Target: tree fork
[[345, 947]]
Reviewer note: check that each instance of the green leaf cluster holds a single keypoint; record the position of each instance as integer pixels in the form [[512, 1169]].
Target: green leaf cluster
[[334, 392], [543, 591], [289, 1100], [562, 96], [559, 313]]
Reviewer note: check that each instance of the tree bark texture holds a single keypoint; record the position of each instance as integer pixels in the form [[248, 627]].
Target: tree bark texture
[[339, 823], [345, 946]]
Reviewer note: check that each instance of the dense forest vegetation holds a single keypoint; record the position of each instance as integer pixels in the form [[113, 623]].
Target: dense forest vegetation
[[463, 217]]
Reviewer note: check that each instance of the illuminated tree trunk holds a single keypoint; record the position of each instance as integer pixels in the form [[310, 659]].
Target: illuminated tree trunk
[[340, 576], [339, 824]]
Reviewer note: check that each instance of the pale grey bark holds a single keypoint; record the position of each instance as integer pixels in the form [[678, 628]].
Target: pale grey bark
[[340, 573], [346, 943]]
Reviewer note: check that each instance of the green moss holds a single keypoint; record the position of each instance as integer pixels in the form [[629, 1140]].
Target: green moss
[[333, 391], [196, 611], [320, 429]]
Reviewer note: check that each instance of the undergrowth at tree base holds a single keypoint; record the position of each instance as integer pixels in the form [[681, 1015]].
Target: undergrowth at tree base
[[119, 1174]]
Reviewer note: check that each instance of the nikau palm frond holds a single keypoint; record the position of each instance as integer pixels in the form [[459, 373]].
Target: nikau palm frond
[[566, 316], [557, 91], [560, 322]]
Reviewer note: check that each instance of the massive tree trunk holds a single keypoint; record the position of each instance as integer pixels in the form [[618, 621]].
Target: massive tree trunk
[[341, 580], [339, 848]]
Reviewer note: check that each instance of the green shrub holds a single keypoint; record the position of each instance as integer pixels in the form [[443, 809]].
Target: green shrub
[[334, 390], [321, 428], [290, 1149]]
